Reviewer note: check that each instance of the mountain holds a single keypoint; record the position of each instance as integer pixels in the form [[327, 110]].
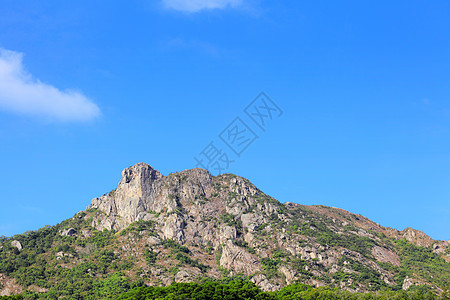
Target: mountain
[[192, 226]]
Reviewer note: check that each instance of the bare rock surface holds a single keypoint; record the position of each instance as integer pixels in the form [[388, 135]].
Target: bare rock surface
[[9, 286], [17, 244], [385, 255], [69, 232]]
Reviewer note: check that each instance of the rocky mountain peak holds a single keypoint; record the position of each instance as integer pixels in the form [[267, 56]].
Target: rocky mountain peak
[[143, 191], [140, 172], [417, 237]]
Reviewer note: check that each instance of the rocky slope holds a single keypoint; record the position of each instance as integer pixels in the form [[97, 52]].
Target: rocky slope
[[191, 225]]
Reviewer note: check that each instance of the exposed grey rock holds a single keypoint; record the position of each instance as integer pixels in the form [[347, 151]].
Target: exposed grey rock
[[60, 255], [86, 233], [262, 281], [173, 228], [142, 190], [407, 283], [17, 244], [182, 276], [151, 240], [316, 283], [36, 289], [227, 233], [417, 237], [9, 286], [69, 232], [288, 274], [251, 221], [165, 280], [237, 258], [385, 255]]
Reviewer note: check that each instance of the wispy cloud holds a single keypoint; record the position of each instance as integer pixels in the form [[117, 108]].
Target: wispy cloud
[[191, 6], [23, 94]]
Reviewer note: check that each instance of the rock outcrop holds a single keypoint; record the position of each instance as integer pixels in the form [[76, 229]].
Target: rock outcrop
[[69, 232], [17, 244], [417, 237], [9, 286]]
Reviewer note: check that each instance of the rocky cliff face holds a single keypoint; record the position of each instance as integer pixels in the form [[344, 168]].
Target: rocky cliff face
[[133, 198], [192, 225]]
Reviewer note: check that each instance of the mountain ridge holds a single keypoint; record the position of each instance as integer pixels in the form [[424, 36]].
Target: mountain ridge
[[191, 225], [415, 236]]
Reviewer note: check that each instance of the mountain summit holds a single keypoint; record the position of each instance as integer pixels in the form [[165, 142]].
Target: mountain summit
[[190, 225]]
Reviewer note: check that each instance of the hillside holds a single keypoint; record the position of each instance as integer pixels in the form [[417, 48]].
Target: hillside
[[191, 226]]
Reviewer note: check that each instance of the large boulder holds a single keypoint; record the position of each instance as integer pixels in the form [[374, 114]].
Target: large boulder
[[17, 244], [69, 232]]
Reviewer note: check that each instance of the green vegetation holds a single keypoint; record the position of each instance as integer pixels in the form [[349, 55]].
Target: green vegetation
[[181, 253], [137, 227], [244, 290], [205, 291], [422, 261], [230, 220], [270, 266], [68, 267], [367, 276], [242, 243], [171, 244], [309, 224], [150, 257]]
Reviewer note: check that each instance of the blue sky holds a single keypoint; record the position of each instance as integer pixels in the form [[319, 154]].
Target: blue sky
[[88, 88]]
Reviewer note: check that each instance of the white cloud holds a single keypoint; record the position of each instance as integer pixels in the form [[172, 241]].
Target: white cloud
[[21, 93], [197, 5]]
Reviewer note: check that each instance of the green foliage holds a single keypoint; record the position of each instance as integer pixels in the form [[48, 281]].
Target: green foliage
[[218, 254], [270, 266], [18, 297], [366, 275], [181, 253], [446, 292], [171, 244], [301, 291], [98, 238], [244, 244], [423, 262], [138, 227], [310, 224], [37, 263], [112, 286], [209, 249], [228, 219], [173, 270], [209, 290], [240, 289], [231, 220], [186, 260], [150, 257]]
